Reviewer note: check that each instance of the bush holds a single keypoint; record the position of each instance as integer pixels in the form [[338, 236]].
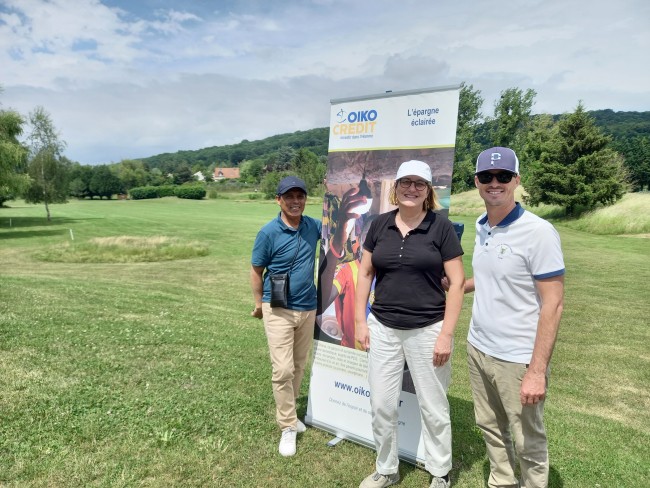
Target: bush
[[166, 191], [193, 192], [143, 192]]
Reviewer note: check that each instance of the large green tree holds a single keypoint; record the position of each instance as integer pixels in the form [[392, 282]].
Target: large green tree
[[80, 177], [183, 174], [576, 168], [311, 169], [47, 167], [251, 170], [512, 118], [13, 156], [104, 183], [467, 147], [539, 134], [132, 173]]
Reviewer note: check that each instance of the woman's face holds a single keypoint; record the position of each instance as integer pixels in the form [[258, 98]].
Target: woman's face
[[408, 192]]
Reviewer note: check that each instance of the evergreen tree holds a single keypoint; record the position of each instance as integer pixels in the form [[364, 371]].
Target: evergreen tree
[[541, 131], [636, 151], [576, 167]]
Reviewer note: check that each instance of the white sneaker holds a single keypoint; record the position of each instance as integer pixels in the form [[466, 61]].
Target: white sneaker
[[438, 482], [376, 480], [288, 442], [300, 427]]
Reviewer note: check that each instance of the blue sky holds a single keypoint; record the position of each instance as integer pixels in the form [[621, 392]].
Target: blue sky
[[128, 79]]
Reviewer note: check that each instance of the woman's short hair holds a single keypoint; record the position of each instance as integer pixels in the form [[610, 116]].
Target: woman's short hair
[[431, 202]]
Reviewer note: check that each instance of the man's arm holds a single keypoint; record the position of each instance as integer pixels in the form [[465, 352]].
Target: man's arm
[[467, 288], [533, 386], [469, 285], [257, 286]]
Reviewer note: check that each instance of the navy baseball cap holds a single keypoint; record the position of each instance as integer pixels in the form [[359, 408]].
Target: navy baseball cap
[[289, 183], [497, 158]]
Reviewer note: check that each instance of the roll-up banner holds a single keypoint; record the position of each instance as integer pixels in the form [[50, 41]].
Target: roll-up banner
[[370, 136]]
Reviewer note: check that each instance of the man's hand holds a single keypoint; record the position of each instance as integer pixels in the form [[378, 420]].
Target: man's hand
[[533, 388], [257, 313], [444, 282]]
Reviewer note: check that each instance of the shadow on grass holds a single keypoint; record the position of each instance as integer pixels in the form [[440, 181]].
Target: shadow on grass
[[14, 227], [20, 222], [23, 234]]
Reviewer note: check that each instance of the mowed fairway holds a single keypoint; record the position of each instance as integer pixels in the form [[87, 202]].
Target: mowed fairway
[[152, 374]]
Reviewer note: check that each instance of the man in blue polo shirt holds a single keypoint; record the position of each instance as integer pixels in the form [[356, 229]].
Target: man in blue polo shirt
[[519, 286], [287, 244]]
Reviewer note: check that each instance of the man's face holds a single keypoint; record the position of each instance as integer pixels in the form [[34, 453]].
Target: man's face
[[495, 193], [292, 203]]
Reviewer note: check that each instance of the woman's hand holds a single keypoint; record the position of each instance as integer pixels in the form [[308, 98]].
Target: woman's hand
[[442, 350], [362, 335]]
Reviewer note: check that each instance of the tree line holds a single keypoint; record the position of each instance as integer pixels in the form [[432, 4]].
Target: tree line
[[576, 160]]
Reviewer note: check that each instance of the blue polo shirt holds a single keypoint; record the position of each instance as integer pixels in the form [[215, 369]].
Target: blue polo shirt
[[274, 249]]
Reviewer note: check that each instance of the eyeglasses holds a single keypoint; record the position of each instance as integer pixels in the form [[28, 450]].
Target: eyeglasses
[[406, 183], [485, 177]]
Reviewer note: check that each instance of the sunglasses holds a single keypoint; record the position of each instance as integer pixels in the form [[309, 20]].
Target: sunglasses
[[406, 183], [486, 177]]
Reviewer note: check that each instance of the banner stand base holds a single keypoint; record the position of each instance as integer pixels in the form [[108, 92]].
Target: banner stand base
[[334, 442]]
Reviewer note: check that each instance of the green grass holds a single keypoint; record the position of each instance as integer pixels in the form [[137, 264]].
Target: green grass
[[152, 374]]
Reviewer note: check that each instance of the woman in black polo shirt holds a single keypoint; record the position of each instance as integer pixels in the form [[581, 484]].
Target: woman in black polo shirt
[[408, 251]]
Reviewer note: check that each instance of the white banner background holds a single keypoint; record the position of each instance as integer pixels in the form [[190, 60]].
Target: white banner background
[[369, 137]]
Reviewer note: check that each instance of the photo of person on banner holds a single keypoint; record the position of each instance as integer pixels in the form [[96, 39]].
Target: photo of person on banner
[[408, 251], [339, 278]]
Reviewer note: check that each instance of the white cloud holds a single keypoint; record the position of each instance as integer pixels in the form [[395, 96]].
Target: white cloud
[[122, 81]]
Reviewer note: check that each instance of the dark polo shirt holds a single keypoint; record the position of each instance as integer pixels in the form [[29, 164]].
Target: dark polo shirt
[[408, 293]]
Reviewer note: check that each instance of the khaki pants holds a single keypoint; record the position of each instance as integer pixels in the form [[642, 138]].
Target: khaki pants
[[502, 419], [290, 334]]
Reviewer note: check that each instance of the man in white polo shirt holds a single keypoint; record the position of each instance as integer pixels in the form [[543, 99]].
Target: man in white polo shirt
[[519, 287]]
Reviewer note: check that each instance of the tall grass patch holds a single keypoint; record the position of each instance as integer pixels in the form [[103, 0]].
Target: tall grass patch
[[124, 249], [629, 216]]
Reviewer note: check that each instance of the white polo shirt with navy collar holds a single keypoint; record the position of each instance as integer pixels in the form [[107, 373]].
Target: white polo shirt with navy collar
[[508, 259]]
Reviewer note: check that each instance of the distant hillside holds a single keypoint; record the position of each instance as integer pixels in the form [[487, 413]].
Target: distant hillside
[[620, 125], [315, 140]]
